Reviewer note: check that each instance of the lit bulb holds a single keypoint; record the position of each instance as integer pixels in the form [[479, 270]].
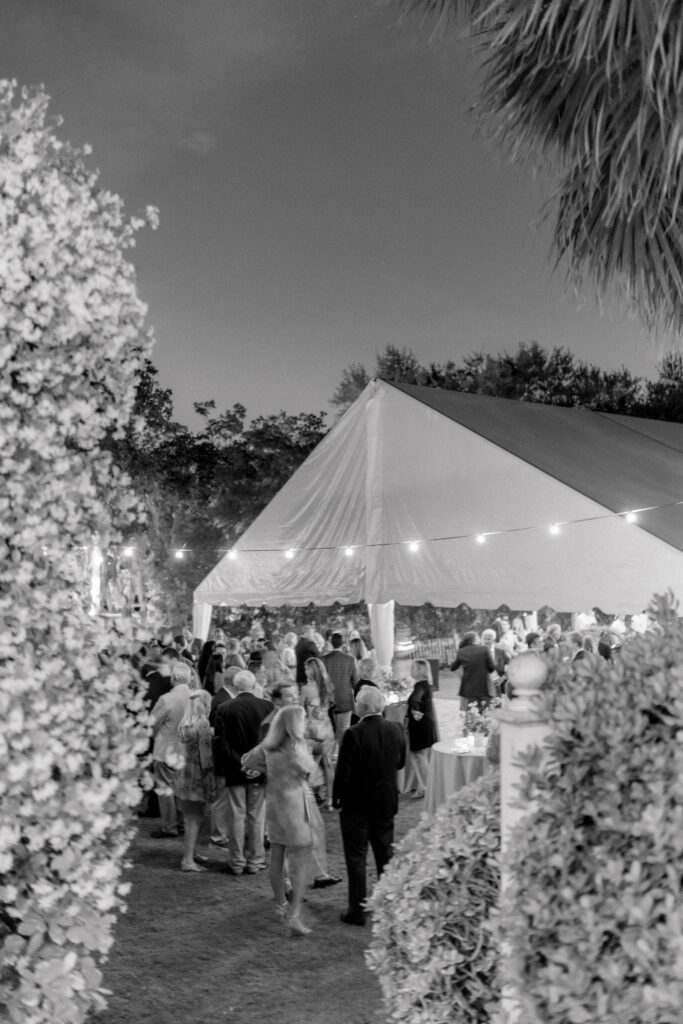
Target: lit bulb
[[232, 555], [481, 537], [179, 554], [413, 546], [631, 517], [348, 552], [289, 553], [555, 529], [127, 552]]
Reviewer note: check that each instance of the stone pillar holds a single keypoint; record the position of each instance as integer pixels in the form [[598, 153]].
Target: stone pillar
[[522, 726]]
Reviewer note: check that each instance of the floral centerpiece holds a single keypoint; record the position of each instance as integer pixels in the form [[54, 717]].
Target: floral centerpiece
[[476, 720], [395, 689]]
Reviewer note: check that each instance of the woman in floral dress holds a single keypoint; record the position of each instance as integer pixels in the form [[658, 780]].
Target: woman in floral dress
[[195, 780]]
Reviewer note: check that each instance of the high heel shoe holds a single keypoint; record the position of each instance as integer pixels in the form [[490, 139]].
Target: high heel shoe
[[296, 927]]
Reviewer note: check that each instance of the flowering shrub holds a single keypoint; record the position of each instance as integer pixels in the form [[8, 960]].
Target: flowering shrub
[[433, 944], [595, 915], [72, 727]]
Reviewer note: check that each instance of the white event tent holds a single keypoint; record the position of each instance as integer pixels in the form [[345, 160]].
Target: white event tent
[[421, 495]]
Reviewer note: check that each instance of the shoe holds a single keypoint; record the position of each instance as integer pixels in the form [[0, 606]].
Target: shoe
[[296, 927], [251, 870], [191, 866], [160, 834], [329, 807], [227, 870], [350, 918], [201, 859], [181, 830], [417, 795], [325, 881], [219, 841], [281, 910]]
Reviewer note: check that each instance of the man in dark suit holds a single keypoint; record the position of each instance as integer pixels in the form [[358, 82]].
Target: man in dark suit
[[343, 672], [366, 793], [305, 649], [237, 731], [476, 662]]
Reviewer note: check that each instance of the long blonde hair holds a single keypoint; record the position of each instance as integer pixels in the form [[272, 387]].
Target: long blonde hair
[[316, 666], [197, 710], [287, 728]]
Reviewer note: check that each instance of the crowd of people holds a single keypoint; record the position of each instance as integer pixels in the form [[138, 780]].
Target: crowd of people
[[264, 736], [261, 737]]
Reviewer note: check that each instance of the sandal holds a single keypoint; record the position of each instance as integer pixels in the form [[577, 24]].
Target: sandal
[[191, 866]]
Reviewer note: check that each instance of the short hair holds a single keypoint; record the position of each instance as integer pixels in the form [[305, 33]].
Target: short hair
[[369, 701], [288, 726], [244, 680], [367, 668], [290, 638], [470, 637], [170, 652], [491, 634], [574, 638], [336, 639], [554, 629], [531, 638], [179, 639], [181, 673]]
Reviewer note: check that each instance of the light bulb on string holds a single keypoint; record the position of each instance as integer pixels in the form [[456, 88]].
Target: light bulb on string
[[555, 529], [413, 546], [631, 517], [128, 552], [179, 554], [481, 538], [232, 554], [289, 553], [348, 551]]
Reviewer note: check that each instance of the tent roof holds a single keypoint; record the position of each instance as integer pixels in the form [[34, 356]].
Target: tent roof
[[412, 463], [621, 462]]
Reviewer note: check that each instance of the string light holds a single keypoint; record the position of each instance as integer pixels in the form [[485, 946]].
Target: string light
[[631, 516]]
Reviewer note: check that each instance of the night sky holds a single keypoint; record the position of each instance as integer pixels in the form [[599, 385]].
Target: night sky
[[323, 192]]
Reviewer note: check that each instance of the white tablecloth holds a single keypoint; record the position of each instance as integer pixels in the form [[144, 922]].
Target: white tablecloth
[[449, 771]]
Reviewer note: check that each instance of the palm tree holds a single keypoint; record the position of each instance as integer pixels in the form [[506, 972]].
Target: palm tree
[[593, 89]]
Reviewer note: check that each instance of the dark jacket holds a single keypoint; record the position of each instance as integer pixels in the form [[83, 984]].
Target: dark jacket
[[221, 696], [343, 672], [157, 686], [423, 734], [237, 731], [476, 663], [370, 755]]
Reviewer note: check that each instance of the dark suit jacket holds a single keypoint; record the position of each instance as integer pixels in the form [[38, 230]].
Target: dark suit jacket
[[157, 686], [304, 650], [476, 662], [371, 754], [237, 731], [220, 697], [343, 672]]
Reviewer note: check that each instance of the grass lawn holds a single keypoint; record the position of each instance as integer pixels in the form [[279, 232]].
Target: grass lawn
[[200, 949]]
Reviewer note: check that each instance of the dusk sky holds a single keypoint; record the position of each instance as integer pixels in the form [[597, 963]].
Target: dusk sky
[[323, 192]]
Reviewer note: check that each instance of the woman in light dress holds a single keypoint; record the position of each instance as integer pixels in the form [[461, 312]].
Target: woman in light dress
[[317, 696], [422, 728], [195, 782], [292, 817]]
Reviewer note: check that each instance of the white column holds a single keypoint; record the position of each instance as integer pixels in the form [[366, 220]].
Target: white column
[[522, 725], [201, 619], [382, 630]]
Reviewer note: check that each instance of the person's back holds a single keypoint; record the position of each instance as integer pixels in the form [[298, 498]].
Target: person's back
[[372, 752], [476, 663], [168, 713]]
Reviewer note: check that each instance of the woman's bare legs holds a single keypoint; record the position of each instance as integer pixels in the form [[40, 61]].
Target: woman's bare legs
[[277, 872], [298, 871], [192, 825]]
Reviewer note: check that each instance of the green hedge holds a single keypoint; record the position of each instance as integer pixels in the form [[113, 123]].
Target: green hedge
[[595, 915], [433, 946], [72, 728]]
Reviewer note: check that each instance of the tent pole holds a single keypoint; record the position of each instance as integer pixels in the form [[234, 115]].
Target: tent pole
[[382, 631]]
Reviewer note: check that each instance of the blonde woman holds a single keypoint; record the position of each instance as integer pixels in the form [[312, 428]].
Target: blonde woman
[[318, 695], [195, 781], [422, 730], [293, 819]]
